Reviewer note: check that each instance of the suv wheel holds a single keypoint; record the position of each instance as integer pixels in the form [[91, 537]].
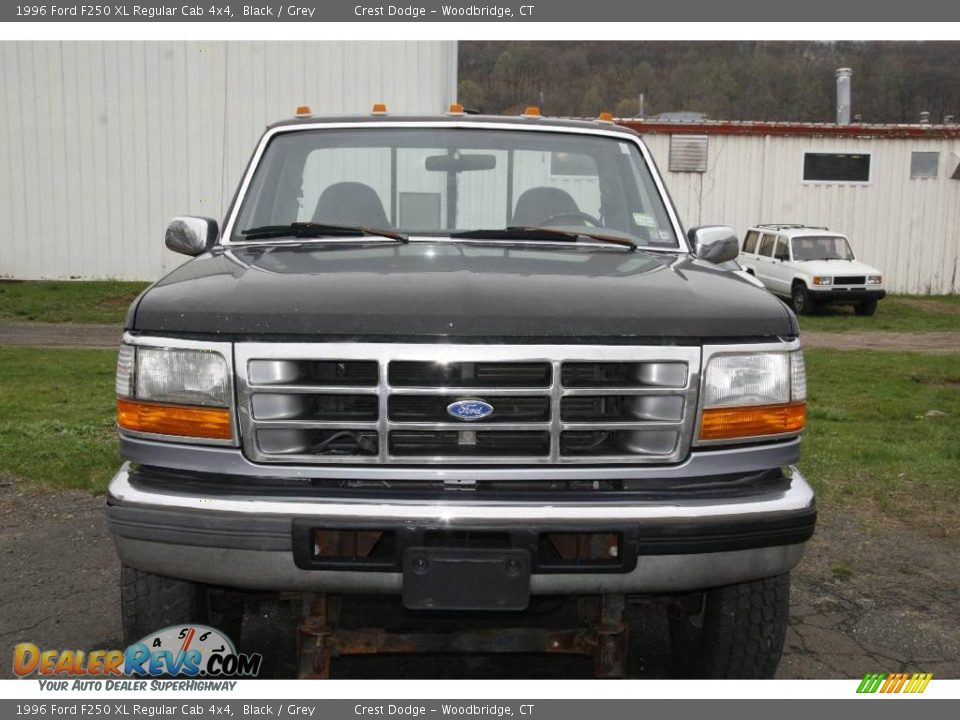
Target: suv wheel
[[800, 299], [150, 602], [735, 631], [865, 307]]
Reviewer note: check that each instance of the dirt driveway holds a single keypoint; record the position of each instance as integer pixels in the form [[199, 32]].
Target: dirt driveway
[[108, 337], [60, 335], [898, 341], [870, 596]]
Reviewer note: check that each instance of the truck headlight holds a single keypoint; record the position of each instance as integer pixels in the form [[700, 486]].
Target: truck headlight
[[753, 395], [874, 279], [822, 280], [174, 391]]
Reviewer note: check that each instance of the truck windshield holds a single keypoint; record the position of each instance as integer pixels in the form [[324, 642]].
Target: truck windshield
[[821, 248], [451, 181]]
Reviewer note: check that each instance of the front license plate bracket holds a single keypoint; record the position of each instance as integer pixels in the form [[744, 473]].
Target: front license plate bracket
[[466, 579]]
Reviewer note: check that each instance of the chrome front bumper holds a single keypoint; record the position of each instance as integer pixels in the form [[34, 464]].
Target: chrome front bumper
[[243, 540]]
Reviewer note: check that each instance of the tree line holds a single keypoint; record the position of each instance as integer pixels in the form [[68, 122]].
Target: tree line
[[892, 81]]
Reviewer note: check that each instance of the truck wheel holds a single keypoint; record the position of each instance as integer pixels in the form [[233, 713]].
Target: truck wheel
[[800, 299], [150, 602], [865, 307], [735, 631]]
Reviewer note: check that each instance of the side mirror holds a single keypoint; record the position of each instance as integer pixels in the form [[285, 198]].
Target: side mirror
[[190, 235], [714, 243]]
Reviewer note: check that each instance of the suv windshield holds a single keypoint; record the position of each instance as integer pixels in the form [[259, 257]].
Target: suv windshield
[[821, 248], [443, 181]]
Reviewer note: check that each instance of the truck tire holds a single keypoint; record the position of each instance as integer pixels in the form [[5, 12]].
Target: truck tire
[[865, 307], [800, 299], [150, 602], [737, 633]]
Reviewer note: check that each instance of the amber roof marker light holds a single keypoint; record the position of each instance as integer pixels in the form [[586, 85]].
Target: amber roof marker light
[[304, 111], [379, 109]]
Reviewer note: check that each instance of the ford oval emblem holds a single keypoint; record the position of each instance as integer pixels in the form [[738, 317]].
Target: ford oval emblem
[[470, 409]]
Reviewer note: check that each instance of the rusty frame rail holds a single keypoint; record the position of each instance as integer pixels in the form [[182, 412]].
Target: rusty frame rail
[[602, 636]]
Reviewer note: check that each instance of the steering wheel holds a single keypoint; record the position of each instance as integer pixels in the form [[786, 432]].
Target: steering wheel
[[572, 215]]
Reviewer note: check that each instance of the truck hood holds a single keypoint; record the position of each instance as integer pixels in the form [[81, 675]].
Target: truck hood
[[456, 290], [837, 267]]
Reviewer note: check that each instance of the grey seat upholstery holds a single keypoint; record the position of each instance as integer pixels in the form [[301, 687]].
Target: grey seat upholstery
[[537, 204], [350, 203]]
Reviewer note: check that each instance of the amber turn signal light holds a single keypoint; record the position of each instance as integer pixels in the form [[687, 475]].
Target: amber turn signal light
[[182, 420], [729, 423]]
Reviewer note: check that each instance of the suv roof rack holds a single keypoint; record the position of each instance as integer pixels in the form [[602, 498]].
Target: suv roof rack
[[791, 226]]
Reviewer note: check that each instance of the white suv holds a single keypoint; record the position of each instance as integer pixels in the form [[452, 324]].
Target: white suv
[[810, 266]]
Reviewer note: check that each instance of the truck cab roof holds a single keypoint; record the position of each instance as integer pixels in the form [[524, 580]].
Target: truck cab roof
[[521, 121]]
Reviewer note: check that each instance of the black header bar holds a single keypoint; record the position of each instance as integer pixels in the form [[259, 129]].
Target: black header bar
[[500, 11]]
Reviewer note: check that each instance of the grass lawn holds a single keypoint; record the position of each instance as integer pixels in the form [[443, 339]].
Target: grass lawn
[[895, 313], [869, 437], [56, 417], [885, 427], [75, 302]]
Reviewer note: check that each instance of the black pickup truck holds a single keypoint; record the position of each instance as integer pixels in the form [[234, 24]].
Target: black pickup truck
[[468, 362]]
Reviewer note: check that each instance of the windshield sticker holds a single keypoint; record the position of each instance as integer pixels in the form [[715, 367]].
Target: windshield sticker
[[644, 220]]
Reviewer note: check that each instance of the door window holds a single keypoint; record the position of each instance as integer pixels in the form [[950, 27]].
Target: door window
[[766, 245], [783, 251]]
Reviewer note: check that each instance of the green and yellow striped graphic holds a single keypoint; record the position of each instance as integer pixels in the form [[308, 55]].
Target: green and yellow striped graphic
[[895, 683]]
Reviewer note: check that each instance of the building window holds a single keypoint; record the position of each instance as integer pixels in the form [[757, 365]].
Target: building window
[[924, 164], [688, 153], [836, 167]]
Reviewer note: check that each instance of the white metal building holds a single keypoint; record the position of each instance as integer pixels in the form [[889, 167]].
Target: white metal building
[[893, 189], [104, 142]]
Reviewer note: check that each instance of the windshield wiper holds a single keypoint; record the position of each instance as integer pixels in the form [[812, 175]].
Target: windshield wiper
[[533, 232], [318, 230]]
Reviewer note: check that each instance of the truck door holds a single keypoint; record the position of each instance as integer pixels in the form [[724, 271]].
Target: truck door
[[763, 262], [748, 253], [781, 272]]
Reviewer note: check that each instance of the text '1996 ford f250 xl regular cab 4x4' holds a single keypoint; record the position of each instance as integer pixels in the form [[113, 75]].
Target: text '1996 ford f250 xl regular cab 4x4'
[[469, 362]]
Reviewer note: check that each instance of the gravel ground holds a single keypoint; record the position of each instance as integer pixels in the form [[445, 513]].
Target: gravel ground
[[873, 594]]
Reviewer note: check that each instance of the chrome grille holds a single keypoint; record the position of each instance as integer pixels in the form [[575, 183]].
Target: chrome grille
[[387, 403]]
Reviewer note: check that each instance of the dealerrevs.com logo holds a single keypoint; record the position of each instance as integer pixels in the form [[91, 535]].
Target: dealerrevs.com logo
[[186, 651], [894, 683]]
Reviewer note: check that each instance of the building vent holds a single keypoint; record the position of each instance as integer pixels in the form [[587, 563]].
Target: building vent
[[924, 164], [843, 76], [688, 153]]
